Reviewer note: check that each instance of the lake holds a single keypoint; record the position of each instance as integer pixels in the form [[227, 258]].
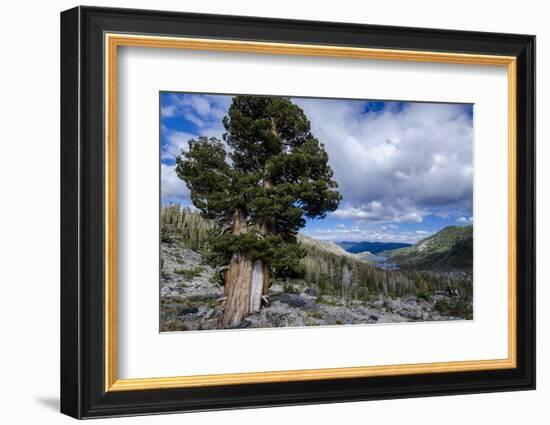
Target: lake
[[381, 262]]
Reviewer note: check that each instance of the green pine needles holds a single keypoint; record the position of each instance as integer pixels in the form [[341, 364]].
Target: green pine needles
[[260, 183]]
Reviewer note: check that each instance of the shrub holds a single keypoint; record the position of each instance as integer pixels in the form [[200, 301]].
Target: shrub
[[459, 307], [190, 273], [424, 294], [289, 288]]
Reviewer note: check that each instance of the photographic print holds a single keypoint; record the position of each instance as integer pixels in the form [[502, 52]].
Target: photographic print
[[292, 211]]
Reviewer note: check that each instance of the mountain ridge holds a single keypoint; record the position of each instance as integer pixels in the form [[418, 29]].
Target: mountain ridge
[[450, 248]]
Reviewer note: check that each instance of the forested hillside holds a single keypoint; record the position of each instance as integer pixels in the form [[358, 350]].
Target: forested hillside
[[329, 274], [449, 249]]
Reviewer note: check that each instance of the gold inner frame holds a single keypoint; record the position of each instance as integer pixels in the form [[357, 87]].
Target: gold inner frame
[[113, 41]]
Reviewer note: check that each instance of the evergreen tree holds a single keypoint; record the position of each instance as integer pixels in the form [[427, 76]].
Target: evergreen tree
[[259, 187]]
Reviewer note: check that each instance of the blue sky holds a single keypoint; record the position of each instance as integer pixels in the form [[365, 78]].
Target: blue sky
[[405, 169]]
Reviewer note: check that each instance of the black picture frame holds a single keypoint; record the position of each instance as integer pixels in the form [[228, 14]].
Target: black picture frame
[[83, 392]]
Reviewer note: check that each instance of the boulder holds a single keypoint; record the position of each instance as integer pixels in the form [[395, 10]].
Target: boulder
[[184, 311], [311, 291], [292, 300]]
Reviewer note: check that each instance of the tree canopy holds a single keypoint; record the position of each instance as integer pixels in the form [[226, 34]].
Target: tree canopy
[[270, 171]]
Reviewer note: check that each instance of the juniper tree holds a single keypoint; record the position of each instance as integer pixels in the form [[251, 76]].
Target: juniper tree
[[259, 185]]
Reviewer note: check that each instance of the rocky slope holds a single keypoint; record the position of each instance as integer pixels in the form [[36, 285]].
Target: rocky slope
[[190, 300]]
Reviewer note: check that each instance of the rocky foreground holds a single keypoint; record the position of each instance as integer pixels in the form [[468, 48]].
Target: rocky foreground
[[191, 301]]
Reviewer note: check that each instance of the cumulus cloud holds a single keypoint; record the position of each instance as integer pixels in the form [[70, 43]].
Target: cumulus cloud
[[376, 211], [395, 164], [175, 142], [359, 233], [205, 111], [173, 189], [400, 163]]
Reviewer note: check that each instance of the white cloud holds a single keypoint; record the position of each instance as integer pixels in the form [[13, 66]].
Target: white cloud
[[394, 164], [204, 111], [397, 165], [176, 141], [173, 189], [167, 111], [377, 211], [357, 233], [465, 220]]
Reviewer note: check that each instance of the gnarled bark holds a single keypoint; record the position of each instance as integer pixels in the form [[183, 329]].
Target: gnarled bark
[[256, 286], [245, 281], [237, 290], [260, 285], [237, 279]]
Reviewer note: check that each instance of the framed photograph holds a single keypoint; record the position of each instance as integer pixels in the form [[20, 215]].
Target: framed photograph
[[261, 212]]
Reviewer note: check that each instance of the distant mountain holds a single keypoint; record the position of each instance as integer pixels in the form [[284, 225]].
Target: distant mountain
[[323, 246], [450, 248], [372, 247]]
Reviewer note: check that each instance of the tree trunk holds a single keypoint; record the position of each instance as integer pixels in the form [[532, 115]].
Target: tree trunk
[[238, 280], [260, 284], [266, 228], [237, 290], [256, 287], [245, 283]]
